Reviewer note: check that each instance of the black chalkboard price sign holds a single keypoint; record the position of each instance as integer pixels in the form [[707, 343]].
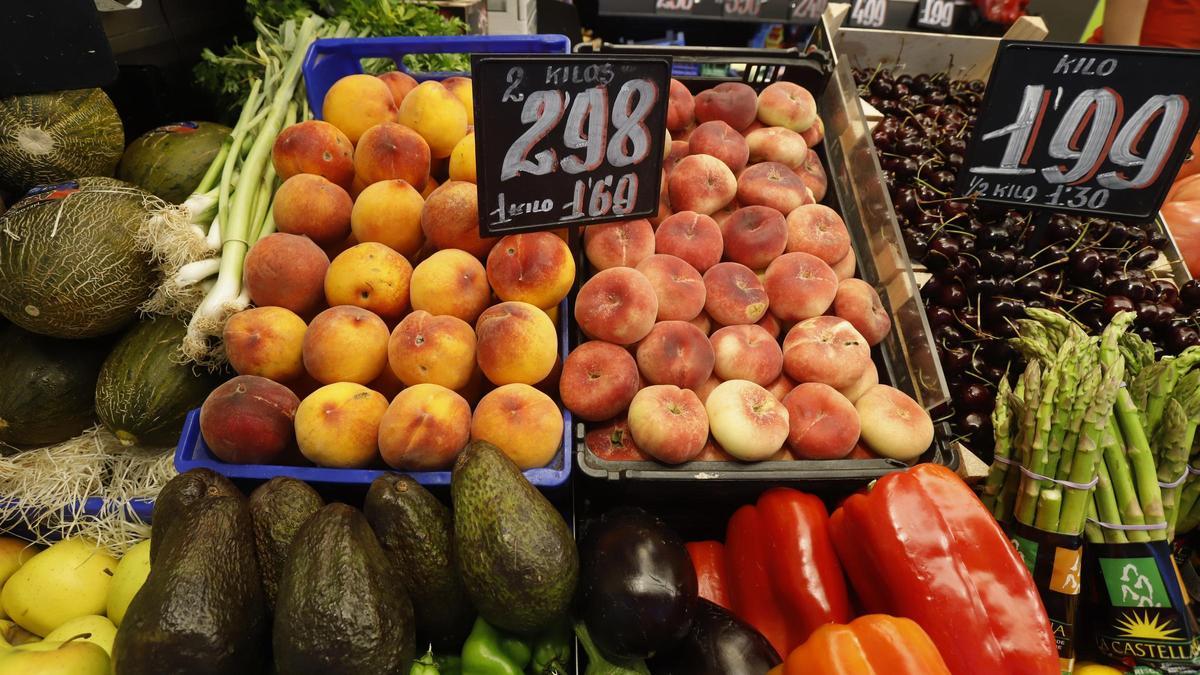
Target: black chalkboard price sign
[[1083, 128], [935, 15], [867, 13], [568, 140]]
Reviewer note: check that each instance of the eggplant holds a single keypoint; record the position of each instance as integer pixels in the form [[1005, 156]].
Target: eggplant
[[718, 644], [638, 588]]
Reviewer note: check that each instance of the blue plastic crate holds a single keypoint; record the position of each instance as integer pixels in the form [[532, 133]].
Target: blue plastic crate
[[331, 59], [193, 453]]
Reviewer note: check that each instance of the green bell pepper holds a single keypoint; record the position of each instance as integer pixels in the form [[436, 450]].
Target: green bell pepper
[[449, 665], [552, 651], [426, 665], [430, 664], [489, 651]]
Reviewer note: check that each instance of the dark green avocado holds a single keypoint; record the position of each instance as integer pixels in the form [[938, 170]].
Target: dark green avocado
[[201, 610], [278, 508], [340, 609], [417, 533], [178, 497], [516, 555]]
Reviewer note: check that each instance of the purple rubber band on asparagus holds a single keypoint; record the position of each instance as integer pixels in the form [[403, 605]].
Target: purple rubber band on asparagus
[[1193, 470], [1038, 476], [1065, 483], [1177, 482], [1128, 528]]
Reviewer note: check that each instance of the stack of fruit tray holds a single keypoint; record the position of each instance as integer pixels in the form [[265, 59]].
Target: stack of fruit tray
[[905, 358], [326, 62], [1013, 242]]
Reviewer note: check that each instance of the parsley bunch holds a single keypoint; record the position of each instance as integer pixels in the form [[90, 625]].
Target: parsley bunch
[[228, 76]]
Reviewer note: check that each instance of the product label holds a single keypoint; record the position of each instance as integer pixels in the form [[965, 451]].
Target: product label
[[1143, 617], [45, 193], [178, 128], [1054, 560]]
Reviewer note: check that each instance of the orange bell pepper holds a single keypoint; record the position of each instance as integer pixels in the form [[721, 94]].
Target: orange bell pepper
[[875, 644]]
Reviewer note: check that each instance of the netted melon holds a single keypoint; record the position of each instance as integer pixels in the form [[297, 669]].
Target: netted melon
[[69, 267], [144, 392], [47, 386], [50, 138], [170, 161]]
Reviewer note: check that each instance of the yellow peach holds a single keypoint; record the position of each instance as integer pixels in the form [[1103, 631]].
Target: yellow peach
[[438, 115], [356, 103], [522, 421], [338, 425], [371, 276], [389, 213]]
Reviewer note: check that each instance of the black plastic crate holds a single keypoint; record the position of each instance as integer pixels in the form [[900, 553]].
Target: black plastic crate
[[906, 359]]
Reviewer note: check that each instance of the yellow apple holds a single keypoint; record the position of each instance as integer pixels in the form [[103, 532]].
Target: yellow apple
[[69, 579], [55, 658], [98, 629], [131, 574]]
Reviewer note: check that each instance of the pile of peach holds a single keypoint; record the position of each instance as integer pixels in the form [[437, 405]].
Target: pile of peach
[[685, 311], [418, 335]]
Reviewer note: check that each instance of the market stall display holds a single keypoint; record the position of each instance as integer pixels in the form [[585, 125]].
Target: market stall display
[[378, 408]]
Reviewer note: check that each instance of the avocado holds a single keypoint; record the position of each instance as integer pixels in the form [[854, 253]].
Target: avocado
[[278, 508], [516, 555], [178, 497], [201, 610], [417, 533], [340, 610]]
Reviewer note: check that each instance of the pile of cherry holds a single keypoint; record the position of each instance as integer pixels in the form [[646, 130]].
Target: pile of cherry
[[988, 263]]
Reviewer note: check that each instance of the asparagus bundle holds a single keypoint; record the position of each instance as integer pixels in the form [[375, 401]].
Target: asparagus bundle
[[1050, 427], [1071, 424]]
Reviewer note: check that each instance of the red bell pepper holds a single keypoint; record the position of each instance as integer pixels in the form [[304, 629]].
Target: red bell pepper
[[921, 545], [802, 561], [784, 577], [708, 558], [750, 588]]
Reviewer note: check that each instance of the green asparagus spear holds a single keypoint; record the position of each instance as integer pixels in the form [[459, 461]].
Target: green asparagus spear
[[1070, 401], [1087, 450], [1031, 383], [1117, 463], [1089, 386], [1172, 462], [1141, 461], [1002, 430], [1091, 529], [1039, 458], [1049, 506], [1138, 353], [1106, 505]]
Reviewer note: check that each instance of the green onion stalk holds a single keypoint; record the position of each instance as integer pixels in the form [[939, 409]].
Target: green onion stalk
[[200, 246], [249, 205]]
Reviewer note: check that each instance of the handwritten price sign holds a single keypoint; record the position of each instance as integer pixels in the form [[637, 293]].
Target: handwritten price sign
[[567, 140], [1083, 128]]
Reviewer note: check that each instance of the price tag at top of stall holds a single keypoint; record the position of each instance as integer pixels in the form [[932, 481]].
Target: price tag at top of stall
[[568, 140], [1083, 128], [867, 13], [936, 15]]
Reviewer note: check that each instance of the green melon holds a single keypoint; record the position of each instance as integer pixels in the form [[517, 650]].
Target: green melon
[[143, 392], [69, 267], [170, 161], [50, 138], [48, 386]]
